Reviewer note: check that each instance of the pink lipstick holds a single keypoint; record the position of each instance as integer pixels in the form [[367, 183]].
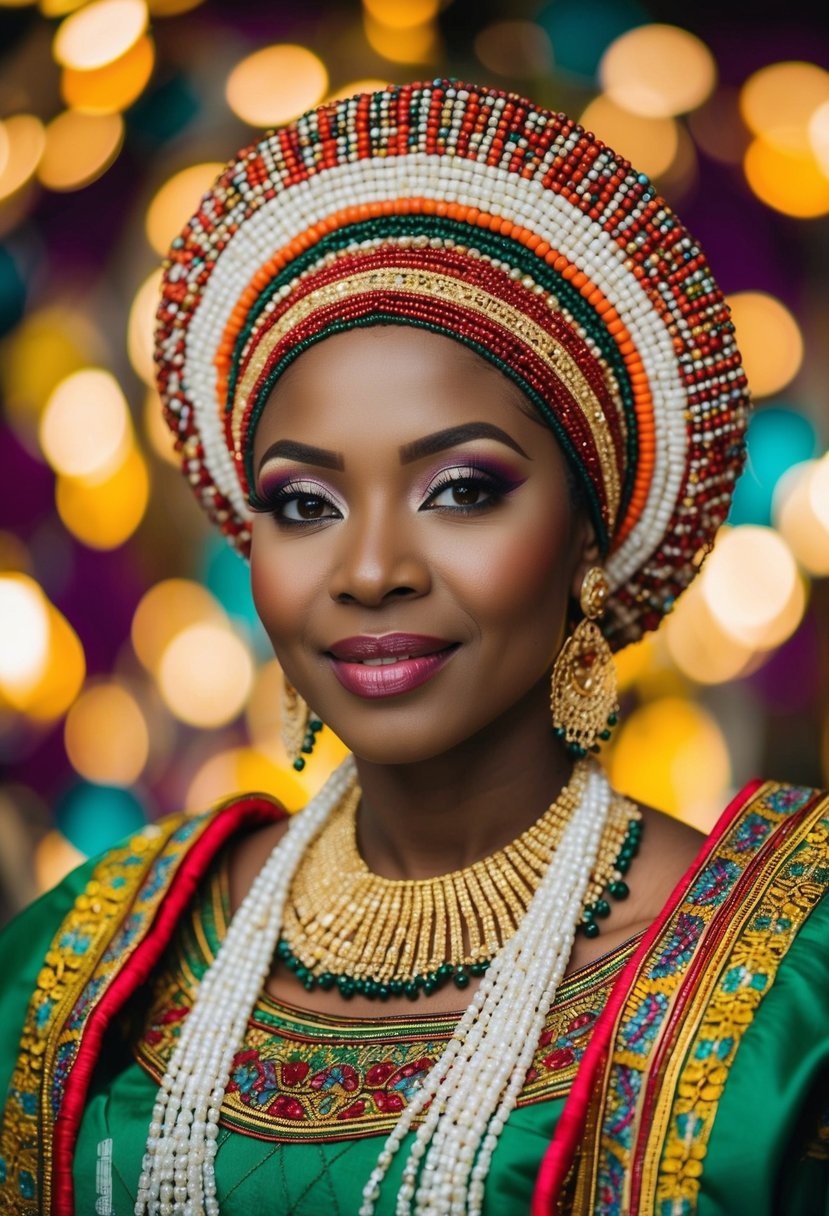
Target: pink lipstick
[[390, 664]]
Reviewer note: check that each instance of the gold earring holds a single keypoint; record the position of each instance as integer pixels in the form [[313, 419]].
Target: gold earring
[[583, 697], [299, 726]]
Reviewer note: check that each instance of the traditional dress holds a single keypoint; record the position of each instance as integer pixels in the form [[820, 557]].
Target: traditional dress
[[686, 1071]]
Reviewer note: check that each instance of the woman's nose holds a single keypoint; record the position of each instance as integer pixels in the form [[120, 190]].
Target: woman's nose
[[378, 560]]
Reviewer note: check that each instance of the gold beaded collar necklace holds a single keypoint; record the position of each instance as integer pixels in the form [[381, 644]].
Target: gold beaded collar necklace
[[344, 926]]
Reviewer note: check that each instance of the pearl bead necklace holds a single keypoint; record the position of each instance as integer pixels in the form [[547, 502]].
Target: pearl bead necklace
[[470, 1091], [177, 1177]]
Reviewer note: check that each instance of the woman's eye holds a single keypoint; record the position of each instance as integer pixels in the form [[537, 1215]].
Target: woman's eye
[[462, 494], [466, 490], [306, 508], [295, 504]]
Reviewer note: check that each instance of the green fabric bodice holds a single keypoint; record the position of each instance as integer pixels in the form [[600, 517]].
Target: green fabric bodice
[[313, 1097]]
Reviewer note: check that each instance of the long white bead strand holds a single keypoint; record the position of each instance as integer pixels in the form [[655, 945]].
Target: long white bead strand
[[500, 1053], [177, 1178], [476, 1082]]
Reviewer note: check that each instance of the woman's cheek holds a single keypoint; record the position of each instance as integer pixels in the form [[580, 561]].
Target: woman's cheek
[[525, 568]]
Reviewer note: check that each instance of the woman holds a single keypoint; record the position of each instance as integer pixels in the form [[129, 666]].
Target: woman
[[465, 390]]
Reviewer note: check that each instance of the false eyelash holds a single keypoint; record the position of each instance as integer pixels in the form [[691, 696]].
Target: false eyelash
[[497, 484]]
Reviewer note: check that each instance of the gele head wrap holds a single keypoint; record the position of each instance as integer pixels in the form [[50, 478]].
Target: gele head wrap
[[478, 215]]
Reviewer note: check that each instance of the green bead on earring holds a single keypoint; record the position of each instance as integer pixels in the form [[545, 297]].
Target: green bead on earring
[[299, 727]]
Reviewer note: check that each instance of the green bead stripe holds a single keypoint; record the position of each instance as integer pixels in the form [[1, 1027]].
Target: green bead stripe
[[494, 245], [348, 986], [393, 319]]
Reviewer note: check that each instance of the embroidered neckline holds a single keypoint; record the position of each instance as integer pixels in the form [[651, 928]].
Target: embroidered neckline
[[301, 1075]]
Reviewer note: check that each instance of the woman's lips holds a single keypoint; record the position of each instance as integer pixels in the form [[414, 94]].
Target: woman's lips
[[386, 666]]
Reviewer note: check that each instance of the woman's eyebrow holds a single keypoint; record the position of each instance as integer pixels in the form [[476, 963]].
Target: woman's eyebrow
[[304, 454], [453, 435]]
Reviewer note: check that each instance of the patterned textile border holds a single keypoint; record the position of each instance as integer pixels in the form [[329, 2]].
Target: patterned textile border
[[306, 1077], [93, 965], [695, 994]]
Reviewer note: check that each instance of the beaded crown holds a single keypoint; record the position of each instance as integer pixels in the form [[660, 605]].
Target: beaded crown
[[476, 214]]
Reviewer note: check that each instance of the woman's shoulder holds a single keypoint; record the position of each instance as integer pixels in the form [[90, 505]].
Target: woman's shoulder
[[128, 881]]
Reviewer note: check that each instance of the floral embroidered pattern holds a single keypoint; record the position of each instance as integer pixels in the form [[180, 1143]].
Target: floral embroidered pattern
[[666, 1074], [86, 954], [309, 1077]]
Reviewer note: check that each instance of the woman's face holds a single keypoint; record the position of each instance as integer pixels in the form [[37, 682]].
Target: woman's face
[[414, 565]]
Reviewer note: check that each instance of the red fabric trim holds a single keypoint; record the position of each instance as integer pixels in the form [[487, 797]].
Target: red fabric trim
[[562, 1148], [717, 931], [247, 812]]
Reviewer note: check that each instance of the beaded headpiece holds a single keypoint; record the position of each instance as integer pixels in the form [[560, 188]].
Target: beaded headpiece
[[475, 214]]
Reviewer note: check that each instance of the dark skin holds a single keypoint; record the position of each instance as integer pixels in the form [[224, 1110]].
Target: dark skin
[[475, 541]]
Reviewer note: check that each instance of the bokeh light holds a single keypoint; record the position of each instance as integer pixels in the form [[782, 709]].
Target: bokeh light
[[46, 347], [263, 713], [25, 139], [699, 646], [801, 514], [582, 30], [412, 44], [54, 858], [819, 136], [172, 205], [369, 84], [168, 607], [671, 753], [171, 8], [649, 143], [103, 512], [275, 84], [42, 663], [85, 429], [96, 817], [113, 87], [79, 148], [777, 439], [752, 586], [24, 638], [779, 101], [226, 574], [106, 735], [243, 770], [99, 33], [205, 675], [157, 433], [140, 326], [515, 48], [59, 8], [769, 339], [402, 14], [789, 181], [658, 71]]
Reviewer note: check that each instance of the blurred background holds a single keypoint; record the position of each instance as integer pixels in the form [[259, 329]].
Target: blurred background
[[134, 677]]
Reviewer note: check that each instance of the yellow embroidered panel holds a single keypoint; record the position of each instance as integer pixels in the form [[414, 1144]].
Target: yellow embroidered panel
[[105, 924], [695, 995], [303, 1076]]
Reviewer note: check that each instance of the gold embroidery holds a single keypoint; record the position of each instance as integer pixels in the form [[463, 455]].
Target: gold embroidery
[[305, 1076], [87, 952], [678, 1031], [432, 285], [737, 980]]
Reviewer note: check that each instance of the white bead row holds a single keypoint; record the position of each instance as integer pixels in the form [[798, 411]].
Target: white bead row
[[473, 1087], [472, 183], [177, 1177]]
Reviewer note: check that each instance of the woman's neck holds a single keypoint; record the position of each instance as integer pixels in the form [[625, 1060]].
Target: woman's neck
[[419, 820]]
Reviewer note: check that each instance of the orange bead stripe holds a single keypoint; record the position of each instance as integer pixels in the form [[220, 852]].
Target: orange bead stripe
[[613, 323]]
